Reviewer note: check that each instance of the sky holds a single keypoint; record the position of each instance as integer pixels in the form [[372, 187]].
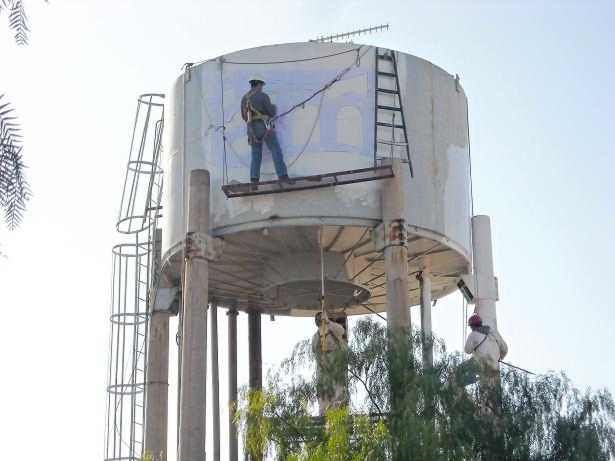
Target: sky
[[539, 76]]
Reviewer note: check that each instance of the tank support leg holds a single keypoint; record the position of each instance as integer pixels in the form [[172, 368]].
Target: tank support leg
[[194, 334], [255, 353], [232, 383], [398, 303], [255, 350], [157, 396], [157, 393], [215, 380], [426, 328], [396, 252], [486, 295]]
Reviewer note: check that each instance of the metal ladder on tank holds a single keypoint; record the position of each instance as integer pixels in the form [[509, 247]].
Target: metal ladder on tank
[[390, 123]]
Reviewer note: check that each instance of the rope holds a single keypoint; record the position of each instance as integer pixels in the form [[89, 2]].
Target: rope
[[263, 63], [517, 368], [337, 78], [309, 138], [373, 311], [224, 167]]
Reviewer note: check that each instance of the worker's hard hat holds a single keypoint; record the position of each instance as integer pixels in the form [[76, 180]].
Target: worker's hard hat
[[475, 320], [256, 78]]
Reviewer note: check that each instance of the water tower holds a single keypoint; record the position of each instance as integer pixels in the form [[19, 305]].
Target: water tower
[[376, 219]]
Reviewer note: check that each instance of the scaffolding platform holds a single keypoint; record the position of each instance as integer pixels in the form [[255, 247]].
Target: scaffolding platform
[[337, 178]]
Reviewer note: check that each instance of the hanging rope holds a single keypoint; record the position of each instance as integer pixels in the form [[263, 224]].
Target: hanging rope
[[224, 167]]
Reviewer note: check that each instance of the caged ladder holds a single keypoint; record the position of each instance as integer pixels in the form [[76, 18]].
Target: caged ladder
[[133, 274], [390, 124]]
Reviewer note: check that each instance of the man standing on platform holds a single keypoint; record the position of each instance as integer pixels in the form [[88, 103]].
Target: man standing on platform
[[257, 111]]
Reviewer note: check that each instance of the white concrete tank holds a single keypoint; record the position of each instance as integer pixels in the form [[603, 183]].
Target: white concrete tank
[[272, 255]]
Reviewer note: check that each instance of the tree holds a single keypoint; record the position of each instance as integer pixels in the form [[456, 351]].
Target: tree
[[14, 188], [541, 418]]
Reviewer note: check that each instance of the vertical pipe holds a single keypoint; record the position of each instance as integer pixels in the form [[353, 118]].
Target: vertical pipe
[[426, 327], [215, 380], [232, 384], [194, 334]]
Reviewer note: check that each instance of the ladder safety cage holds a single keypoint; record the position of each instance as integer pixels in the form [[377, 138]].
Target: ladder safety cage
[[133, 279], [390, 132], [143, 180]]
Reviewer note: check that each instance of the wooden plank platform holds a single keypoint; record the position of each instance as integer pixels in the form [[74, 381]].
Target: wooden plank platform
[[337, 178]]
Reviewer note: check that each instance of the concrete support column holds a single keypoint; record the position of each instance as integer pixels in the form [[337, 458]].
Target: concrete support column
[[396, 251], [255, 350], [486, 291], [215, 380], [157, 394], [157, 385], [398, 302], [426, 327], [194, 334], [232, 384], [255, 353]]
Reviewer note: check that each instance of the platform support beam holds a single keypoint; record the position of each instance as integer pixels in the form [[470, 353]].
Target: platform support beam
[[426, 326], [232, 383], [215, 380], [194, 335], [157, 385]]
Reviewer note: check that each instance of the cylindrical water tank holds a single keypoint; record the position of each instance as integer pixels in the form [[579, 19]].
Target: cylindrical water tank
[[278, 246]]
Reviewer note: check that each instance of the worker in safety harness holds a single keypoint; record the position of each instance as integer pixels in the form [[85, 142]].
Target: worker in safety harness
[[330, 346], [257, 111], [487, 348]]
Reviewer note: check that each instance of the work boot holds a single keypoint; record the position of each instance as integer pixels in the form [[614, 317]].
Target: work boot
[[254, 185], [286, 179]]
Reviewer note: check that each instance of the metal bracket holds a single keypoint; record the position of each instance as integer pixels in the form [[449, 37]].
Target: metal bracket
[[200, 245], [477, 286], [165, 300], [390, 233]]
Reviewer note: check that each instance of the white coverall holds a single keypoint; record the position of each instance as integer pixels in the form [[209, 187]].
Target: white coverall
[[486, 346], [335, 394]]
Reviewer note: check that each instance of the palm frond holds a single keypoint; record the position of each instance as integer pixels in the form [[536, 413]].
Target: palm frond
[[18, 22], [14, 188]]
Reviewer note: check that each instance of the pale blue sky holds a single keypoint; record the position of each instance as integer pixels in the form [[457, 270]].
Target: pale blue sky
[[540, 78]]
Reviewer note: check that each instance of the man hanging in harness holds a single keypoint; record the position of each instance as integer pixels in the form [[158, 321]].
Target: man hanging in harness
[[487, 348], [330, 346], [257, 111]]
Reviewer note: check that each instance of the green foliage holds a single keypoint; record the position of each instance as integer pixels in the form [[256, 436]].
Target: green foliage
[[427, 414]]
